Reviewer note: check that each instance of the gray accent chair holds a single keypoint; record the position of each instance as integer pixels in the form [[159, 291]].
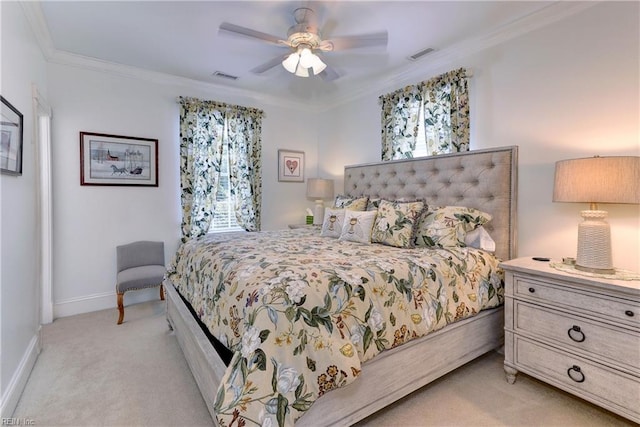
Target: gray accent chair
[[140, 265]]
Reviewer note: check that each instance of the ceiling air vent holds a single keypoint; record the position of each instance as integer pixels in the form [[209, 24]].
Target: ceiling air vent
[[224, 76], [420, 54]]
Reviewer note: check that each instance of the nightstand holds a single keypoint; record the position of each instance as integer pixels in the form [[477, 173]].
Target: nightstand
[[578, 333]]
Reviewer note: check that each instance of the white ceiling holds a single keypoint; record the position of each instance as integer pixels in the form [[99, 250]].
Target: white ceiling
[[181, 38]]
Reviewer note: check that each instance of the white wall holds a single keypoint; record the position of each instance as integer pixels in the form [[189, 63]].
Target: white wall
[[563, 91], [568, 90], [90, 221], [22, 65]]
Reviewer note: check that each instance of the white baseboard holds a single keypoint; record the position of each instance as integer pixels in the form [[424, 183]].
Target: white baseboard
[[19, 380], [103, 301]]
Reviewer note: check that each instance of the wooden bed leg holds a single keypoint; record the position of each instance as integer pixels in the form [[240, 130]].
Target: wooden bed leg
[[120, 307], [162, 292], [510, 374]]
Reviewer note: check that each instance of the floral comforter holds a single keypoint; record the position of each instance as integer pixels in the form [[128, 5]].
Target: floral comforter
[[302, 312]]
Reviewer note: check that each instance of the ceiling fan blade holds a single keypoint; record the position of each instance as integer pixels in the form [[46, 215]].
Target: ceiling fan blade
[[354, 42], [248, 32], [268, 65], [329, 74]]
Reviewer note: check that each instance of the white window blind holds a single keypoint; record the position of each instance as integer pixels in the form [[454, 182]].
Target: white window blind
[[224, 218], [421, 141]]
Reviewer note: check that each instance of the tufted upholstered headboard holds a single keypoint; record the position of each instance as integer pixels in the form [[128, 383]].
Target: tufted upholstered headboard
[[481, 179]]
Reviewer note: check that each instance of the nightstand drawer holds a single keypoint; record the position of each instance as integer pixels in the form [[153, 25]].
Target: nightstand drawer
[[612, 309], [617, 345], [589, 380]]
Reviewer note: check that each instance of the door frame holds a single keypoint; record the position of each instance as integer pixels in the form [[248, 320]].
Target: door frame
[[42, 137]]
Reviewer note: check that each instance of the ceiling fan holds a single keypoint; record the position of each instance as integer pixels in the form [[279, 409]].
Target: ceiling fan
[[305, 42]]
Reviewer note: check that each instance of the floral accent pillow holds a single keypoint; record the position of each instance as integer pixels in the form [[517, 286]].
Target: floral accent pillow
[[447, 226], [333, 221], [396, 223], [352, 203], [373, 203], [357, 226]]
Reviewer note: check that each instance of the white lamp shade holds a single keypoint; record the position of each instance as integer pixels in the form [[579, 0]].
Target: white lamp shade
[[291, 63], [317, 65], [598, 180], [306, 58], [318, 188], [301, 71]]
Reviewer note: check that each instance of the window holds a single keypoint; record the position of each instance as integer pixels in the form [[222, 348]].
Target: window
[[439, 106], [421, 139], [203, 129], [224, 217]]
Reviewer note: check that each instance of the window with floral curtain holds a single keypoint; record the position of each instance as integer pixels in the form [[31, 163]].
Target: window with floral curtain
[[209, 129], [429, 118]]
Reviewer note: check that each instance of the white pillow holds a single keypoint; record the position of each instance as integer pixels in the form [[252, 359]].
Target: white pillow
[[333, 221], [480, 239], [358, 225]]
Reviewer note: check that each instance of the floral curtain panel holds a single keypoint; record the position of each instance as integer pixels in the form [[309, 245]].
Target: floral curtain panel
[[400, 111], [201, 131], [245, 165], [446, 112], [444, 101], [202, 126]]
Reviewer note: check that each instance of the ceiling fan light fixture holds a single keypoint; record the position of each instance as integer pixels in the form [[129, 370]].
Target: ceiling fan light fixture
[[306, 57], [302, 71], [291, 62], [317, 65]]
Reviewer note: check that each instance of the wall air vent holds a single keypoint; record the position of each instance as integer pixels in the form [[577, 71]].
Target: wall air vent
[[224, 76], [420, 54]]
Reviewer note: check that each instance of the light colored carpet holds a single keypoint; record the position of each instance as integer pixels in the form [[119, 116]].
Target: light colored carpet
[[92, 372]]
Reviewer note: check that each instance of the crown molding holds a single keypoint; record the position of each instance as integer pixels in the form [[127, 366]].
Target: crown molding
[[89, 63], [376, 85], [33, 12], [439, 60]]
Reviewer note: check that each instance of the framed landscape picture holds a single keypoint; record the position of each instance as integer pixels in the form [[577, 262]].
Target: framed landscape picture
[[11, 124], [290, 166], [118, 160]]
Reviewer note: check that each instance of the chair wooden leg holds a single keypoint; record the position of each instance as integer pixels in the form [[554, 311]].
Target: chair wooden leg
[[162, 292], [120, 307]]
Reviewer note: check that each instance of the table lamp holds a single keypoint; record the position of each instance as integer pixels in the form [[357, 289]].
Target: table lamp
[[596, 180], [319, 189]]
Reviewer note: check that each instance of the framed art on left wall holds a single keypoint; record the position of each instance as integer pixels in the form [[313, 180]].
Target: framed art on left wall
[[11, 131], [118, 160]]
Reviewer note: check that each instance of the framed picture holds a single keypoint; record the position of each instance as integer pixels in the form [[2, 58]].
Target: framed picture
[[290, 166], [118, 160], [10, 139]]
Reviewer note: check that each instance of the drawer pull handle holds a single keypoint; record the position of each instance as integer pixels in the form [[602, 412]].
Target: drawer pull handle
[[576, 330], [532, 290], [629, 313], [577, 370]]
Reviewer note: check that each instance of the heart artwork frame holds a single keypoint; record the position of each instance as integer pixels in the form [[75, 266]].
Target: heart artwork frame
[[290, 166]]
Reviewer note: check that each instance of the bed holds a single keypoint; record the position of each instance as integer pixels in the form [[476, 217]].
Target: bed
[[484, 179]]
